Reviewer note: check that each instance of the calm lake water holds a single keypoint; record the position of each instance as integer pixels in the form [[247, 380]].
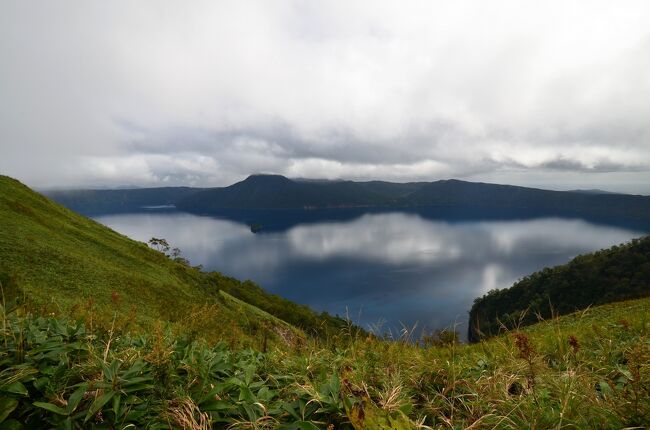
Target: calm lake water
[[387, 269]]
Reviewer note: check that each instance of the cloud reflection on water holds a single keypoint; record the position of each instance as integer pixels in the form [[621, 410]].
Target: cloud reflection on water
[[395, 266]]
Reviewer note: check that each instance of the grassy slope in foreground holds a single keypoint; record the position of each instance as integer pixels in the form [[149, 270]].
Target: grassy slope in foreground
[[584, 371], [621, 272], [64, 262]]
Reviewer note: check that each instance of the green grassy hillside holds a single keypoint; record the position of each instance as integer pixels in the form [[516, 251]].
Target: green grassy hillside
[[65, 263], [76, 296], [589, 370]]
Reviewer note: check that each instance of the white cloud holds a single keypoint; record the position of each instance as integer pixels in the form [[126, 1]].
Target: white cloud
[[208, 92]]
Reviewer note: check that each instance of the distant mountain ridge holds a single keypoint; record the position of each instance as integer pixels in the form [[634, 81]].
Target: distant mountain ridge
[[531, 200], [594, 191], [262, 192], [93, 202], [278, 192]]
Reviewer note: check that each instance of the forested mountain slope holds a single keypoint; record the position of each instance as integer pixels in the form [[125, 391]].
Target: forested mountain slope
[[618, 273]]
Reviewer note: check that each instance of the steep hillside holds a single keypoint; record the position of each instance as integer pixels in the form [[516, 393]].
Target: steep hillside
[[589, 370], [64, 262], [84, 367], [614, 274]]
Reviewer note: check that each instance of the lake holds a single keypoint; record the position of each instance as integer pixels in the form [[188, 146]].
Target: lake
[[383, 270]]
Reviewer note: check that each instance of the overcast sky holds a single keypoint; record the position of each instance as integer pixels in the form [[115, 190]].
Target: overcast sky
[[146, 93]]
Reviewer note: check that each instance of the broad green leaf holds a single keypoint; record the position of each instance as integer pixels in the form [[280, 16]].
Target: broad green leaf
[[211, 395], [249, 373], [251, 414], [50, 407], [290, 409], [216, 405], [7, 406], [134, 415], [625, 373], [48, 370], [605, 389], [110, 372], [76, 397], [116, 406], [136, 380], [16, 388], [98, 404], [41, 383], [246, 395], [335, 386], [406, 408], [265, 395], [306, 425], [137, 387]]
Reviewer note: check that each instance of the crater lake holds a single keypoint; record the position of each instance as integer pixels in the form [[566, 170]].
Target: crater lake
[[386, 271]]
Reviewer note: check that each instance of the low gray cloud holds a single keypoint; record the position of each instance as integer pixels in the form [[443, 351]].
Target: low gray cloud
[[164, 93], [577, 166]]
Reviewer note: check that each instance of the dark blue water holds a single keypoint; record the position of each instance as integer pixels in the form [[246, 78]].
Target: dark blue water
[[381, 269]]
